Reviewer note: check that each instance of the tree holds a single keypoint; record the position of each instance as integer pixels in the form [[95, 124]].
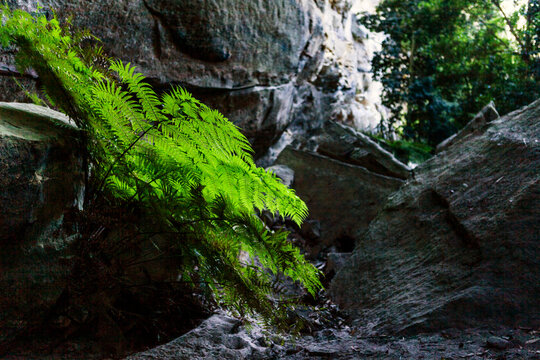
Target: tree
[[443, 60], [186, 169]]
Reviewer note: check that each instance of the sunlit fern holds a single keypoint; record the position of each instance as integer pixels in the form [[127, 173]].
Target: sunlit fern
[[184, 164]]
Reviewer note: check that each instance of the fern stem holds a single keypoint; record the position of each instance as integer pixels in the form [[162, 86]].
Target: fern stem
[[102, 182]]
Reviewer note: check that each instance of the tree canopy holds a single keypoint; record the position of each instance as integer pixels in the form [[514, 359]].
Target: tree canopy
[[443, 60]]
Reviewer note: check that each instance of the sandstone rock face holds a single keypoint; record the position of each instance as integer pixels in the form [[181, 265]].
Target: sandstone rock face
[[337, 83], [267, 65], [343, 197], [345, 178], [458, 245], [41, 178], [342, 142], [39, 151]]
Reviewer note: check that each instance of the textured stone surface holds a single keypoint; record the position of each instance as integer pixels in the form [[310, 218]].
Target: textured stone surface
[[221, 337], [41, 178], [336, 83], [285, 173], [343, 143], [458, 245], [267, 65], [343, 197], [243, 43], [499, 343], [39, 163], [335, 262]]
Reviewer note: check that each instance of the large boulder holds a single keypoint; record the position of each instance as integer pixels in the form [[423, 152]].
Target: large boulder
[[458, 245], [220, 336], [71, 269], [342, 142], [265, 64], [343, 197], [345, 178], [41, 179]]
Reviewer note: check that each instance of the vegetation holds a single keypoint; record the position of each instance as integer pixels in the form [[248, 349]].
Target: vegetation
[[186, 169], [443, 60], [408, 152]]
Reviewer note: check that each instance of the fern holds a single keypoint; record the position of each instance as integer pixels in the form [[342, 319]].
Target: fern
[[184, 164]]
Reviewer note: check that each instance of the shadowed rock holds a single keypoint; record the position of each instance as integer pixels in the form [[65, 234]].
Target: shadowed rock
[[457, 246], [343, 197], [41, 179]]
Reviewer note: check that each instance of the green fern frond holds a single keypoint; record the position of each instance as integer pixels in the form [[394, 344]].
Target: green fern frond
[[187, 167]]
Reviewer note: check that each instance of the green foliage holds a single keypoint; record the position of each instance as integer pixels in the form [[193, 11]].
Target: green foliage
[[406, 151], [186, 167], [443, 60]]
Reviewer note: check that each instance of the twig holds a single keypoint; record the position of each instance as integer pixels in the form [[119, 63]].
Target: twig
[[509, 23]]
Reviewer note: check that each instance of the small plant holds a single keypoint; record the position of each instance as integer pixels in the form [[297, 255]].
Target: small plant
[[183, 165]]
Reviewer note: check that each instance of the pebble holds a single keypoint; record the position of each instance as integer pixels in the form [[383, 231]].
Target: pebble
[[496, 342]]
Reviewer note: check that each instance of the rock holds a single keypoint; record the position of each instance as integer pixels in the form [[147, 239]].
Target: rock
[[498, 343], [336, 84], [56, 281], [285, 173], [219, 337], [457, 246], [343, 143], [311, 230], [262, 112], [335, 262], [322, 351], [475, 127], [267, 65], [211, 45], [343, 197], [348, 344], [41, 179], [39, 163]]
